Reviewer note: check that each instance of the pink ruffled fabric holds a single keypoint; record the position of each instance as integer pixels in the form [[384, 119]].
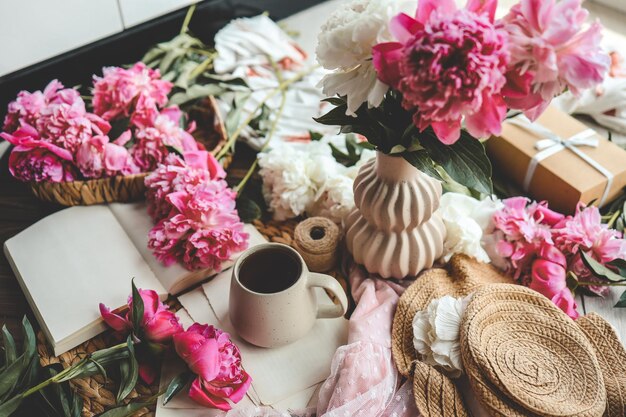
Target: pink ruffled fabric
[[363, 379]]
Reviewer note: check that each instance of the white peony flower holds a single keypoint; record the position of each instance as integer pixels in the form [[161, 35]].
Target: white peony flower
[[345, 46], [292, 177], [306, 178], [335, 199], [360, 85], [468, 222], [347, 37], [436, 334]]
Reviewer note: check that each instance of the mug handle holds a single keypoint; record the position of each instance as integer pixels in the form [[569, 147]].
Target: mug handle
[[329, 283]]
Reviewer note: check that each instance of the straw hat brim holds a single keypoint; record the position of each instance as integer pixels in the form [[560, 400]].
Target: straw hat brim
[[612, 359], [525, 357], [464, 275]]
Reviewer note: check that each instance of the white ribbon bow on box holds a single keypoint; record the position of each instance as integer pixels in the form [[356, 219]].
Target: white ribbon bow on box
[[552, 143]]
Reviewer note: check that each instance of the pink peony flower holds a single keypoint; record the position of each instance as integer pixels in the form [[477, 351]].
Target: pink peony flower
[[209, 248], [120, 92], [203, 231], [28, 106], [153, 141], [25, 109], [216, 360], [33, 159], [166, 239], [58, 114], [158, 325], [524, 227], [548, 277], [585, 231], [550, 52], [178, 174], [96, 157], [449, 65]]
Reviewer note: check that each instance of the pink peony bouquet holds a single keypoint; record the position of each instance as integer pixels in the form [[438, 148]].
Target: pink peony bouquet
[[215, 375], [542, 248], [417, 81], [194, 209], [56, 138]]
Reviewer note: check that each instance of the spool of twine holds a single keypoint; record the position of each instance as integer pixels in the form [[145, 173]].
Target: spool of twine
[[317, 241]]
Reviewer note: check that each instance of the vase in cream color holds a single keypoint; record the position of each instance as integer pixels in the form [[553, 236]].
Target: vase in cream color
[[394, 230]]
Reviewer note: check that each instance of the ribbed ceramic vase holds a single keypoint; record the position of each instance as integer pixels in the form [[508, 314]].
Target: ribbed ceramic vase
[[393, 230]]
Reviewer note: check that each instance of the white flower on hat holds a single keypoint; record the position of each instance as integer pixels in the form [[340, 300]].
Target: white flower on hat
[[436, 334], [468, 223]]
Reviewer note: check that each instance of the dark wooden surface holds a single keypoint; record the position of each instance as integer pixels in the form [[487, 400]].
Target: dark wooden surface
[[18, 210]]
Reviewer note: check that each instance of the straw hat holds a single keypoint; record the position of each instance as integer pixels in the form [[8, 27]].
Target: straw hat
[[522, 355]]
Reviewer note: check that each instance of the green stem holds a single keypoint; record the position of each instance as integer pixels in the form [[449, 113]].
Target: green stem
[[201, 68], [281, 87], [185, 26], [613, 219], [602, 284], [60, 377], [270, 133]]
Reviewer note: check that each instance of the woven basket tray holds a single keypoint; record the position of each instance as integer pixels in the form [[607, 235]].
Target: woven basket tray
[[210, 132], [98, 394]]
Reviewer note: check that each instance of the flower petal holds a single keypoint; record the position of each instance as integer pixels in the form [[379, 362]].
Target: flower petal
[[447, 132], [426, 7], [488, 120], [483, 6], [114, 321], [386, 59], [403, 26]]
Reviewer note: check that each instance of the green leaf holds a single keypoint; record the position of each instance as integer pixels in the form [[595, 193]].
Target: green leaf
[[465, 161], [336, 101], [7, 408], [125, 410], [621, 303], [600, 270], [422, 161], [10, 376], [315, 136], [195, 92], [336, 117], [10, 350], [620, 264], [30, 341], [233, 118], [30, 375], [95, 363], [137, 309], [177, 384], [129, 371], [248, 209], [60, 398], [174, 150]]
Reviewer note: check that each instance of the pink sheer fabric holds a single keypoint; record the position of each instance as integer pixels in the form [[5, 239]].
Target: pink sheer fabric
[[363, 379]]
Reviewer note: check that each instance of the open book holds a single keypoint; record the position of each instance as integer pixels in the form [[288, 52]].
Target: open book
[[72, 260]]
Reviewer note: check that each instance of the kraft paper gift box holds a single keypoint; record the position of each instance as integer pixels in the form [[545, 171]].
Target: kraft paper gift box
[[571, 162]]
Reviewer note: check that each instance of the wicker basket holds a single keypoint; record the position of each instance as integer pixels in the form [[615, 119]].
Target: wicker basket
[[211, 133]]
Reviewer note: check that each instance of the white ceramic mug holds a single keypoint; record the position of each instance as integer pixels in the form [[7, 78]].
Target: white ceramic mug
[[272, 298]]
